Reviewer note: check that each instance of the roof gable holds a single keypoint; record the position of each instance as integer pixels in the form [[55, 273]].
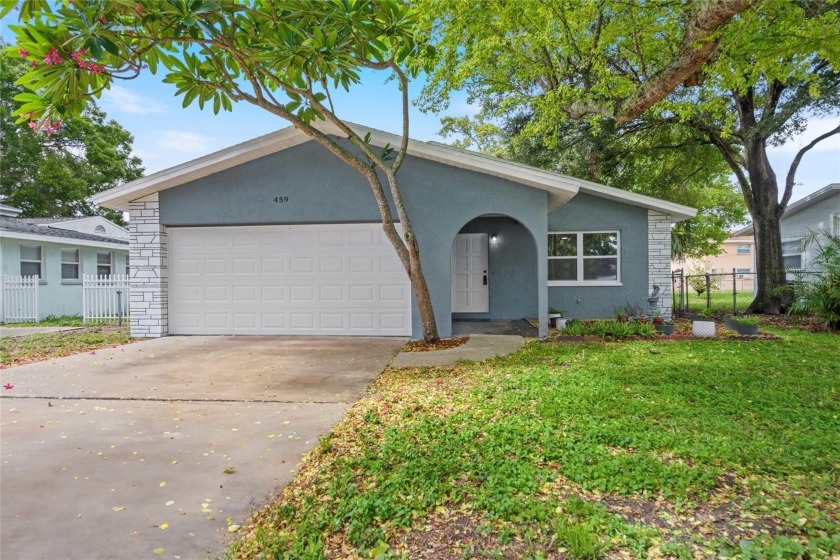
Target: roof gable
[[561, 188]]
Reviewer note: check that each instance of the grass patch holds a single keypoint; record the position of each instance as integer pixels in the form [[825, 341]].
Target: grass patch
[[54, 321], [705, 448], [15, 351]]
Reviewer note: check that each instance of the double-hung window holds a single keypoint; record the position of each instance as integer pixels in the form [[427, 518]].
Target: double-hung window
[[32, 261], [792, 254], [70, 264], [743, 249], [583, 257], [104, 263]]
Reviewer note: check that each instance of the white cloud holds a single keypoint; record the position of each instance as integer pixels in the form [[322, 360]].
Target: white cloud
[[122, 100], [164, 148], [184, 141]]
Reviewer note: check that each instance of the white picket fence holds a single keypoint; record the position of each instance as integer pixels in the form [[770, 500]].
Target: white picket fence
[[105, 298], [20, 299]]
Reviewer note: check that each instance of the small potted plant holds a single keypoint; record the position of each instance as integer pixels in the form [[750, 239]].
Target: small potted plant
[[633, 311], [658, 319], [621, 314], [555, 318], [745, 326], [703, 325]]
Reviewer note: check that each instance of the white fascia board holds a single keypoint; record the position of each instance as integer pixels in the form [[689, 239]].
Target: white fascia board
[[62, 240], [119, 197], [677, 212]]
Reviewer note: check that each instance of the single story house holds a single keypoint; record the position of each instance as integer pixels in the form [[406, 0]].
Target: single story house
[[817, 213], [59, 251], [278, 236]]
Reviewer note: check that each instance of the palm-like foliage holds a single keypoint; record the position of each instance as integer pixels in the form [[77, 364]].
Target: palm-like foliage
[[820, 296]]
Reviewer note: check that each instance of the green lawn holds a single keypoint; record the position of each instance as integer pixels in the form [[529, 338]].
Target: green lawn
[[639, 449], [21, 350], [720, 300]]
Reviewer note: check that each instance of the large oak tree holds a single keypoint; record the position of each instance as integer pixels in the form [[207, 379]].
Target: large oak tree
[[746, 75]]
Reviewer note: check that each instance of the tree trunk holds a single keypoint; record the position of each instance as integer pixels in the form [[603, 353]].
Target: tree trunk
[[421, 290], [766, 214], [769, 266]]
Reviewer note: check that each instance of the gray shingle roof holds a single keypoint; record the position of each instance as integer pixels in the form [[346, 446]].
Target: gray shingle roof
[[30, 225]]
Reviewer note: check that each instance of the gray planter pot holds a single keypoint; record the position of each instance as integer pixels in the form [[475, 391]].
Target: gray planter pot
[[667, 330], [746, 330]]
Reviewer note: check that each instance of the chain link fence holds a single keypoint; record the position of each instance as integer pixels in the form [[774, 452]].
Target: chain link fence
[[721, 291]]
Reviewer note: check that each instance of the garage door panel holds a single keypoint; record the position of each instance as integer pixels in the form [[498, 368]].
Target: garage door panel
[[325, 279]]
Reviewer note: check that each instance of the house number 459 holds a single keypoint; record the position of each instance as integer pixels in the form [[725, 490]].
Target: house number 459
[[281, 199]]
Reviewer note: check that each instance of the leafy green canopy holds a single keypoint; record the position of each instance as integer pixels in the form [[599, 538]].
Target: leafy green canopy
[[279, 55], [53, 175]]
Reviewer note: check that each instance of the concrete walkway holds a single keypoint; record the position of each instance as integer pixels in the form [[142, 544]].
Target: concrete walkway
[[479, 347], [24, 331]]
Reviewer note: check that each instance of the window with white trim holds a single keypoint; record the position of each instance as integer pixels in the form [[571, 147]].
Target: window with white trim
[[835, 224], [743, 249], [70, 265], [792, 254], [104, 263], [583, 257], [742, 271], [31, 261]]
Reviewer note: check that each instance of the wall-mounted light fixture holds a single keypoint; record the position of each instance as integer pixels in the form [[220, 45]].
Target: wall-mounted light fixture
[[494, 238]]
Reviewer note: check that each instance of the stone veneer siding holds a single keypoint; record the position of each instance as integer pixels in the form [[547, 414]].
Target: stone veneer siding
[[149, 276], [659, 258]]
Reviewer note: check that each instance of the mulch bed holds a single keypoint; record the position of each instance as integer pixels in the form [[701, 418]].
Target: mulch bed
[[442, 344]]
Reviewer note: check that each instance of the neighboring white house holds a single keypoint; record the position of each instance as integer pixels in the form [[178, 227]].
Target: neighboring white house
[[816, 213], [59, 251]]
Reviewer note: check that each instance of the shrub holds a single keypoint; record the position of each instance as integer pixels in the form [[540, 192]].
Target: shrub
[[820, 295], [607, 329]]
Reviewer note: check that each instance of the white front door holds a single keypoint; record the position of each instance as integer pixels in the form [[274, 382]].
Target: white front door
[[469, 274]]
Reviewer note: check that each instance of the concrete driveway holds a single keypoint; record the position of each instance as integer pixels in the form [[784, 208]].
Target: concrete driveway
[[155, 445]]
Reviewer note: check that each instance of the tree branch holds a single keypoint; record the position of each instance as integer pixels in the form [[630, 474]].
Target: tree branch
[[795, 164], [699, 44]]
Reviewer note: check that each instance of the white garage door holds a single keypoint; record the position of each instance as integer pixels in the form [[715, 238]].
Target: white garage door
[[308, 280]]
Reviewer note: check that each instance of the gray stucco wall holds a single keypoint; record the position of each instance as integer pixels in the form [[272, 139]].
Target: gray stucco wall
[[56, 296], [589, 213], [440, 200], [512, 272]]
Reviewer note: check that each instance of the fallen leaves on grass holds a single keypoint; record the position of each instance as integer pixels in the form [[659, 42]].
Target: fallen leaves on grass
[[15, 351]]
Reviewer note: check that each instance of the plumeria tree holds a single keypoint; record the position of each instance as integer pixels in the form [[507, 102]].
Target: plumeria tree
[[53, 173], [284, 57]]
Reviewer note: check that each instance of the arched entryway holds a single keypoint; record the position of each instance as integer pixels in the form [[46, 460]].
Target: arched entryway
[[494, 275]]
